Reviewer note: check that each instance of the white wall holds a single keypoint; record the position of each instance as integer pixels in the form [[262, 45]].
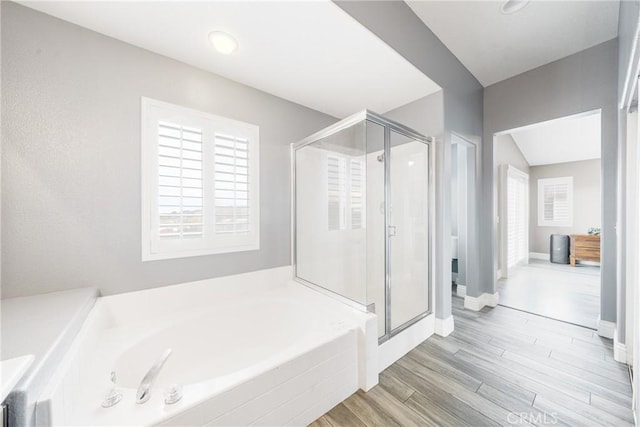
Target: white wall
[[586, 200]]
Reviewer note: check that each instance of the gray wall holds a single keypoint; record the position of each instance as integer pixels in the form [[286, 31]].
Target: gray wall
[[396, 24], [581, 82], [508, 153], [627, 23], [586, 200], [425, 115], [71, 158]]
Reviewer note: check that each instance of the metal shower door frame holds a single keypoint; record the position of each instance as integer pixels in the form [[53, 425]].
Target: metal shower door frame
[[388, 125]]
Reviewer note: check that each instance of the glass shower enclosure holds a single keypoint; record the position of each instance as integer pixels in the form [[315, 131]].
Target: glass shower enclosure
[[362, 214]]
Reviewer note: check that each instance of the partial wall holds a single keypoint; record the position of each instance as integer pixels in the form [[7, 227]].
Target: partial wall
[[582, 82]]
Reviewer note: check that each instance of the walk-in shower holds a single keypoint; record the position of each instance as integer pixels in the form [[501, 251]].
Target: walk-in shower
[[362, 214]]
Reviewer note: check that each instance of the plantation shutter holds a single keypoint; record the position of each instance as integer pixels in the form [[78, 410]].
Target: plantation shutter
[[517, 224], [556, 202], [180, 202], [231, 184], [356, 194], [336, 187]]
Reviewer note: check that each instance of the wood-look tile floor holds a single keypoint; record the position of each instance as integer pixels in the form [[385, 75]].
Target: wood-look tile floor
[[499, 367]]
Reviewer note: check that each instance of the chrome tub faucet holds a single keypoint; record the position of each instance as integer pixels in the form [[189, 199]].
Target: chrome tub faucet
[[144, 390]]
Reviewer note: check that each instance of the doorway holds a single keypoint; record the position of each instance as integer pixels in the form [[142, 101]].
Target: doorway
[[463, 191], [549, 218]]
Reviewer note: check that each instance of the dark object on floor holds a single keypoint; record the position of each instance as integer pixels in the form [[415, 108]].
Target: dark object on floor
[[559, 248]]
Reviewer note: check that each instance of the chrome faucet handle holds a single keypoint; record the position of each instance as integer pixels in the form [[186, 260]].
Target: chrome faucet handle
[[114, 395], [144, 390]]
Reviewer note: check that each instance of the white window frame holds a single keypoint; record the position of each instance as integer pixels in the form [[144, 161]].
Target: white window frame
[[542, 182], [153, 248]]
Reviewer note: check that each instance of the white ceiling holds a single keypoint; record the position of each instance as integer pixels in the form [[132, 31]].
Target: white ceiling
[[494, 46], [311, 53], [569, 139]]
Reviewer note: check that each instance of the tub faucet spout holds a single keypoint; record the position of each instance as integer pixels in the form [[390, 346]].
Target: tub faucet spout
[[144, 390]]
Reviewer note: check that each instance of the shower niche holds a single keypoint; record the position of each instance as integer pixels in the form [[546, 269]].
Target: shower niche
[[362, 214]]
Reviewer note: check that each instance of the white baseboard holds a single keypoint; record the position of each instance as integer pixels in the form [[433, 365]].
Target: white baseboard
[[606, 329], [539, 255], [477, 303], [461, 290], [444, 327], [619, 350]]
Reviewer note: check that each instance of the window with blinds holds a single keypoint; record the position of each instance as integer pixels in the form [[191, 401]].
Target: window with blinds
[[517, 218], [337, 192], [180, 203], [555, 202], [200, 183], [345, 193], [231, 184], [356, 195]]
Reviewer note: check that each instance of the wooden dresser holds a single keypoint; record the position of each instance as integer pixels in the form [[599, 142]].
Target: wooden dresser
[[584, 247]]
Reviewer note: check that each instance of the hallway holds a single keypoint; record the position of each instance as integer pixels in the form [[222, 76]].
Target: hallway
[[499, 367]]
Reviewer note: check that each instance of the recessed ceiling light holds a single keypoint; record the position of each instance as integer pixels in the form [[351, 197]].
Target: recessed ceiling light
[[513, 6], [223, 42]]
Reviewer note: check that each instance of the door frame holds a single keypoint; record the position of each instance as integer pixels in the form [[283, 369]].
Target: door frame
[[472, 184]]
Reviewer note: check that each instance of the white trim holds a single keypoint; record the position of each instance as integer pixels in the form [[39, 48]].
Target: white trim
[[478, 303], [632, 227], [539, 255], [461, 290], [444, 327], [620, 353], [606, 329]]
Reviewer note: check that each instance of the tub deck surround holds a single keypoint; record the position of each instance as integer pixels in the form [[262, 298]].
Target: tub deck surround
[[44, 326], [252, 348]]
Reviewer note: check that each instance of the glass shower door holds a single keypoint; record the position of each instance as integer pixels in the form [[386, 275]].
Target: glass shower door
[[408, 229]]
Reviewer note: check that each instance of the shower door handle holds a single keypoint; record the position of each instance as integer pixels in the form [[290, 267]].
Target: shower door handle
[[392, 230]]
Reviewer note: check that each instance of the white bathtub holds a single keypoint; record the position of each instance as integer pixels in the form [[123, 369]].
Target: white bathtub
[[247, 349]]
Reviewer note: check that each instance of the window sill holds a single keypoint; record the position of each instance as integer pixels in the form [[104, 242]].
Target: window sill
[[200, 252]]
